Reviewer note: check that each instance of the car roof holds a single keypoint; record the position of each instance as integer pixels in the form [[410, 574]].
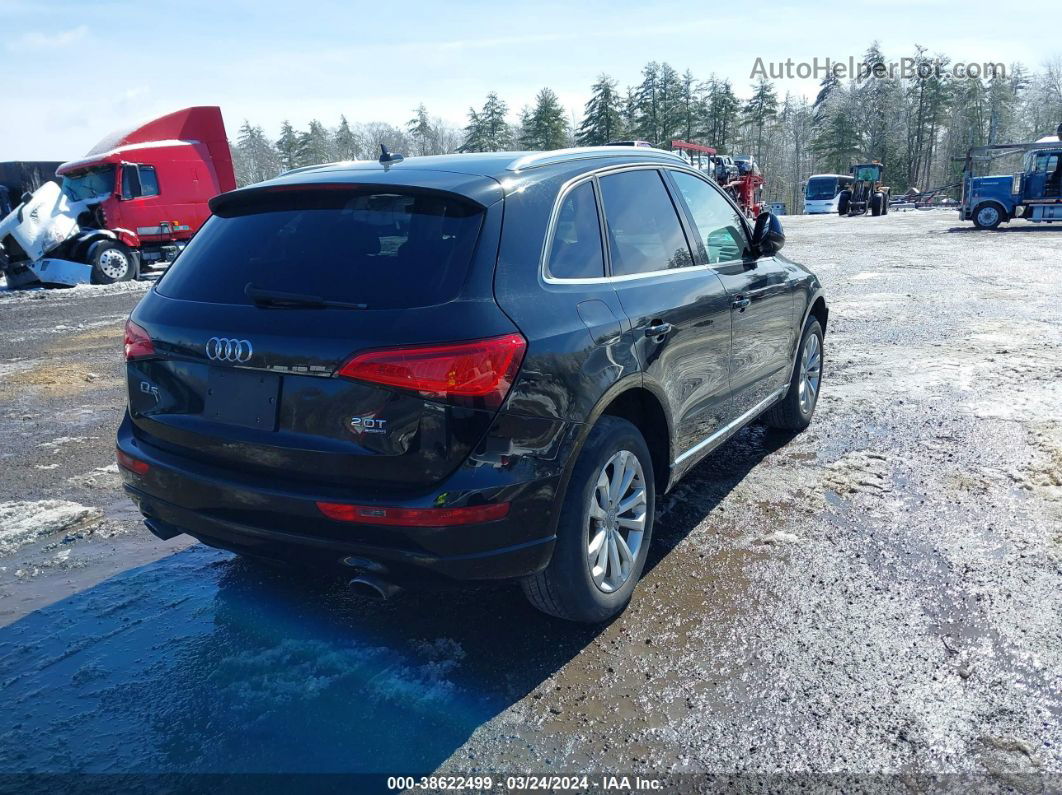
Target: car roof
[[481, 176], [498, 165]]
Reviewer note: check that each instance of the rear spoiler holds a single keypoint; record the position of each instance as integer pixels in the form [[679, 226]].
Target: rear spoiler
[[275, 193]]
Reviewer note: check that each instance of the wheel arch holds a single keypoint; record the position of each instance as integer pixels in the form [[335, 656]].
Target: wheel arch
[[87, 239], [1007, 215], [642, 403], [816, 307]]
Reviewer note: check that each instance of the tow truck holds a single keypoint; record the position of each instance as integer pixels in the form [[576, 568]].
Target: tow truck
[[133, 201], [1034, 193]]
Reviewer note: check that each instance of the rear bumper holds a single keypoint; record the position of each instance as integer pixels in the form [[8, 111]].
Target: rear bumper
[[224, 510]]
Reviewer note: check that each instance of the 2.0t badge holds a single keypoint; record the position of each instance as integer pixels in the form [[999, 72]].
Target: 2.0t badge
[[367, 425]]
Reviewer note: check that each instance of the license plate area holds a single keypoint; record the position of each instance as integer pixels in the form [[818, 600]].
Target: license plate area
[[241, 397]]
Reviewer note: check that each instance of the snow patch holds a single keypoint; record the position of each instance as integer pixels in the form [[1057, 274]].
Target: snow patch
[[100, 478], [80, 291], [59, 441], [23, 523]]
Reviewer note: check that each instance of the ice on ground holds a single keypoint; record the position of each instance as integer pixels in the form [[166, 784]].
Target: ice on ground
[[100, 478], [23, 523], [80, 291], [59, 441], [13, 366]]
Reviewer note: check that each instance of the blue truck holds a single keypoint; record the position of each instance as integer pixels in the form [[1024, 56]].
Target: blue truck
[[1034, 193]]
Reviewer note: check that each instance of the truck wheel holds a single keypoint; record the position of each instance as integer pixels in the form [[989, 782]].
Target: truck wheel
[[875, 204], [885, 199], [605, 525], [111, 262], [987, 216], [844, 199], [794, 411]]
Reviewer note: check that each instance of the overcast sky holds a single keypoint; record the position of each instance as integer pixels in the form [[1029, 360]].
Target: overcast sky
[[76, 70]]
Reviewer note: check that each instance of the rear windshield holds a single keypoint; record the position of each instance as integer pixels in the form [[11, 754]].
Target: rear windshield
[[386, 250]]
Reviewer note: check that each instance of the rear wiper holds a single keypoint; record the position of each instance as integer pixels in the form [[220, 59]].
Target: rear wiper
[[275, 298]]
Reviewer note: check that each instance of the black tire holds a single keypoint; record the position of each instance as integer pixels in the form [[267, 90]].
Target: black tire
[[875, 204], [107, 258], [565, 588], [790, 413], [844, 200], [885, 199], [987, 215]]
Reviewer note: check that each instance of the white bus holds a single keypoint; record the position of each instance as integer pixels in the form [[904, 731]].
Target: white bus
[[821, 192]]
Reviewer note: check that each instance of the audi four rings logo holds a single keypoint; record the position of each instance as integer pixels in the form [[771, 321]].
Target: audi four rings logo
[[222, 349]]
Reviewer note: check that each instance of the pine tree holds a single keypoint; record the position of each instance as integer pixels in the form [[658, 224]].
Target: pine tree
[[474, 140], [647, 105], [314, 146], [830, 83], [876, 99], [691, 106], [346, 142], [721, 114], [603, 118], [837, 139], [759, 111], [288, 146], [255, 159], [669, 105], [487, 130], [496, 131], [421, 131], [545, 126]]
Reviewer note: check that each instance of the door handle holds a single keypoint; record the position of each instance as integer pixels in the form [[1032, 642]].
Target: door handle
[[658, 329], [741, 302]]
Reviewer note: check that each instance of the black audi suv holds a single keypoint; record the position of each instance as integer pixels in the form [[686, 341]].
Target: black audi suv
[[465, 367]]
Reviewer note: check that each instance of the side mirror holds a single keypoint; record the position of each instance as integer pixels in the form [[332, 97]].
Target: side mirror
[[27, 197], [767, 236]]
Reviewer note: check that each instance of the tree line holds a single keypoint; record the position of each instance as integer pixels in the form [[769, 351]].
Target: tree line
[[915, 125]]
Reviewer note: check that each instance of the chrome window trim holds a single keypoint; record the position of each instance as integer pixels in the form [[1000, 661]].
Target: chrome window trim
[[573, 183]]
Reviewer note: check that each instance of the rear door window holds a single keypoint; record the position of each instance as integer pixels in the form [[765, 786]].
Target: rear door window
[[644, 232], [384, 249], [575, 252]]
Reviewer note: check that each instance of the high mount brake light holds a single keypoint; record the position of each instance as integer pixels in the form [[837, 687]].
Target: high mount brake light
[[482, 369], [414, 517], [137, 342]]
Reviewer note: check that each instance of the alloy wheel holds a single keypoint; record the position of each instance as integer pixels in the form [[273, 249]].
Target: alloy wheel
[[810, 373], [616, 522]]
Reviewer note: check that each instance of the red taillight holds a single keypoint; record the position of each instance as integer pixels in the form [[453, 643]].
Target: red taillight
[[480, 369], [137, 342], [135, 465], [414, 517]]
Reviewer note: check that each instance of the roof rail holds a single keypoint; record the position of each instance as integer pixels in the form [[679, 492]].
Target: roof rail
[[536, 159], [315, 166]]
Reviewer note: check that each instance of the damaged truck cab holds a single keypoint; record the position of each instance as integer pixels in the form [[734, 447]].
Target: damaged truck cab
[[134, 200]]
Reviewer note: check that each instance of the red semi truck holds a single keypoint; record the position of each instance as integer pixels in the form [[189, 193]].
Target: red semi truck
[[133, 201]]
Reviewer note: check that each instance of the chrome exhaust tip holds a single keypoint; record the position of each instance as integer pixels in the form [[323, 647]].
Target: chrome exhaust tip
[[373, 587]]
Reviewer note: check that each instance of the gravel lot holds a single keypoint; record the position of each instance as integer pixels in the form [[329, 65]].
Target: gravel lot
[[877, 596]]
